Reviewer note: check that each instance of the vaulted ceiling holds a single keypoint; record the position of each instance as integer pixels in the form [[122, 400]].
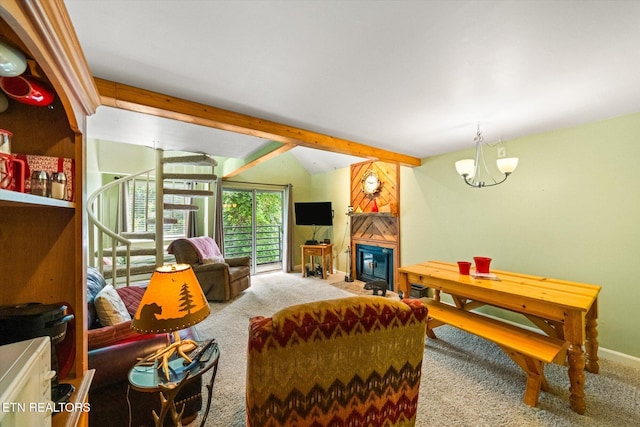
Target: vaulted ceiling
[[408, 77]]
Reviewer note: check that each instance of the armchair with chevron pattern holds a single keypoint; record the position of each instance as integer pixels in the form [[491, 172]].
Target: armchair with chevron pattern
[[353, 361]]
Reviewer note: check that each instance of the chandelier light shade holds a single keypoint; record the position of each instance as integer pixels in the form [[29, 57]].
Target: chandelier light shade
[[506, 165], [466, 167], [475, 172]]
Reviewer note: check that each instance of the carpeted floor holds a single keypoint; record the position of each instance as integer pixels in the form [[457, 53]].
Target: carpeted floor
[[357, 287], [466, 381]]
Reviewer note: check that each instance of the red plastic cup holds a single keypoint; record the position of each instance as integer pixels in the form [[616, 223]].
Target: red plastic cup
[[482, 264], [464, 267]]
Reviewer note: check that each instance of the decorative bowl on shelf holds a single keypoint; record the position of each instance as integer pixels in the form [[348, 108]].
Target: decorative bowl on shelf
[[12, 61]]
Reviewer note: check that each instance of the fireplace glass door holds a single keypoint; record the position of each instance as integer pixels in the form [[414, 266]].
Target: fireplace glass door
[[374, 263]]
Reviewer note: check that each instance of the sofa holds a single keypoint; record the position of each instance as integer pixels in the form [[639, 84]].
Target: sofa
[[354, 361], [113, 351], [221, 278]]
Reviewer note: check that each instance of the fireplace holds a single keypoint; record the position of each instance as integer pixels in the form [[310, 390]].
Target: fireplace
[[375, 222], [374, 263]]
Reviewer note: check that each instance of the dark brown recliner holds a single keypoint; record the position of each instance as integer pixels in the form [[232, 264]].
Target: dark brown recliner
[[220, 281]]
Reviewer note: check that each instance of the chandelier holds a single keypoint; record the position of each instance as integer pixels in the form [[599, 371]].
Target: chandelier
[[470, 170]]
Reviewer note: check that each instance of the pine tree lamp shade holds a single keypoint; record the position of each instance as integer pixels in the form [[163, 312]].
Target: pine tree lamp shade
[[173, 301]]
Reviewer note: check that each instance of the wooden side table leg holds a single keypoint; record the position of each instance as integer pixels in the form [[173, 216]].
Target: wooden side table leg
[[325, 271], [323, 260], [313, 265]]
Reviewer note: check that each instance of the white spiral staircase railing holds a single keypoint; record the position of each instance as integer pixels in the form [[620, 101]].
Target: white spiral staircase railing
[[99, 231], [110, 248]]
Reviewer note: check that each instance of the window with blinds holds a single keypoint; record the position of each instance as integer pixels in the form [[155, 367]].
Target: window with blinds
[[141, 209]]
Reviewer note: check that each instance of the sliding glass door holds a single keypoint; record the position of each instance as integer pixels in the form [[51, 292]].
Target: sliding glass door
[[253, 226]]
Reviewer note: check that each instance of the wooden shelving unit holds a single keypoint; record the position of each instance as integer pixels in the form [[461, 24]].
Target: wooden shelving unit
[[80, 417], [14, 199], [42, 240]]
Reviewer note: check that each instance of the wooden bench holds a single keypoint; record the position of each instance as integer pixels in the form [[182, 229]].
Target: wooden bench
[[527, 349]]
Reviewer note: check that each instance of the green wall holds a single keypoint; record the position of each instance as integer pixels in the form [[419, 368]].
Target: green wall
[[570, 211], [334, 186]]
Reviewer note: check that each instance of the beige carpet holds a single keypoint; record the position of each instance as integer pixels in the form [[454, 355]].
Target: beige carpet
[[357, 288], [466, 381]]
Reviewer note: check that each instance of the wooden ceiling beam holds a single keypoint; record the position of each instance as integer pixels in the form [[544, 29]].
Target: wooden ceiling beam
[[130, 98], [262, 158]]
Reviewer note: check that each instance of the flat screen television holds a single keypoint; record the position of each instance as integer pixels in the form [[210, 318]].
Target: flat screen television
[[313, 213]]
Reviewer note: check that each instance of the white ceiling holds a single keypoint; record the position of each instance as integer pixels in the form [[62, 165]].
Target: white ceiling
[[415, 77]]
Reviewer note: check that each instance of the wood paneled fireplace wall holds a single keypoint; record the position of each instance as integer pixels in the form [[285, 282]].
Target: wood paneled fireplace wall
[[375, 220]]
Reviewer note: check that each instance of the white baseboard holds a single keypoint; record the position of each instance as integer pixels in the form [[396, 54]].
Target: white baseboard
[[621, 358], [603, 353]]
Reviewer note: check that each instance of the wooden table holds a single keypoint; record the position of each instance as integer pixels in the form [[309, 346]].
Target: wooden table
[[323, 251], [562, 309]]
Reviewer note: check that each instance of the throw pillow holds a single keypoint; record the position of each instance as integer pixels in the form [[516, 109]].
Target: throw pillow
[[110, 307], [95, 283]]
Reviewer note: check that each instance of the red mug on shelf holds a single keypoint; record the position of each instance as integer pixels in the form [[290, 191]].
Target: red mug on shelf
[[482, 264], [464, 267], [11, 173]]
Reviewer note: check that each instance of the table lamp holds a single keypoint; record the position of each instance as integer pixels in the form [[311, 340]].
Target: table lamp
[[173, 301]]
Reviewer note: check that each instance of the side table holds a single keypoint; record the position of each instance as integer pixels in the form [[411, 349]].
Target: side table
[[322, 250], [147, 378]]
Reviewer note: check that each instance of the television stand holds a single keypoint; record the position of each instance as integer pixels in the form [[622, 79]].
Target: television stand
[[324, 252]]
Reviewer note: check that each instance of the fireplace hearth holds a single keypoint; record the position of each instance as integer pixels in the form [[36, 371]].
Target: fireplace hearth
[[374, 263]]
